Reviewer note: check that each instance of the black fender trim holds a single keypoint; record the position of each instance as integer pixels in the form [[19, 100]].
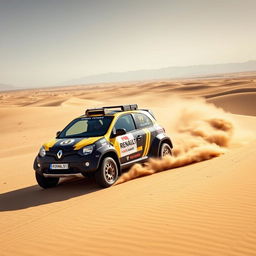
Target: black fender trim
[[110, 153], [156, 143]]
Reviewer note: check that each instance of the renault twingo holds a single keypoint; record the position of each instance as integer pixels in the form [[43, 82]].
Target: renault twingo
[[101, 143]]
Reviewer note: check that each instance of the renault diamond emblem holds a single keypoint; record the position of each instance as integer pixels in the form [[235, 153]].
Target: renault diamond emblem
[[59, 154]]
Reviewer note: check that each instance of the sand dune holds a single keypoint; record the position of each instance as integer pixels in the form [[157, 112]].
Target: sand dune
[[239, 103], [229, 92], [204, 208]]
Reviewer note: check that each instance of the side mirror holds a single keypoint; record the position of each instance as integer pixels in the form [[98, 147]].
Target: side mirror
[[58, 133], [119, 132]]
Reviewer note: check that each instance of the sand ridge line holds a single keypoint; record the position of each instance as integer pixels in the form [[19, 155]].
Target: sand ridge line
[[206, 208]]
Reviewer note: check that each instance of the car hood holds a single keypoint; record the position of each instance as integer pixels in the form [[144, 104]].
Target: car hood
[[70, 143]]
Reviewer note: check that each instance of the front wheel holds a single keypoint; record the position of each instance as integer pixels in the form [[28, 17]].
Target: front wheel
[[46, 182], [165, 150], [107, 173]]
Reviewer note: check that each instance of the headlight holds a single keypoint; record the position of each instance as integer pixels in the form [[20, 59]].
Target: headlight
[[87, 150], [42, 152]]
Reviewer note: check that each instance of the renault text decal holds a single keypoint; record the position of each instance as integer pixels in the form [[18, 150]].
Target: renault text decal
[[128, 144]]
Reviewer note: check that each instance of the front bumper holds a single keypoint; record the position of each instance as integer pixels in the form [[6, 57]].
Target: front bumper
[[63, 175], [78, 165]]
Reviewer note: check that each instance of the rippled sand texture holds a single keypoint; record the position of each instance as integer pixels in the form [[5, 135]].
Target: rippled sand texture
[[186, 208]]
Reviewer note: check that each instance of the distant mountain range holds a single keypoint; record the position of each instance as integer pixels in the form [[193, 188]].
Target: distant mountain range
[[7, 87], [166, 73], [152, 74]]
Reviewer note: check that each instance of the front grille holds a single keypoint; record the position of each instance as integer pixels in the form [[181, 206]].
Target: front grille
[[64, 154]]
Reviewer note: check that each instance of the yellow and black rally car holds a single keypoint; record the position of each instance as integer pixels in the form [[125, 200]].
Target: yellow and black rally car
[[101, 143]]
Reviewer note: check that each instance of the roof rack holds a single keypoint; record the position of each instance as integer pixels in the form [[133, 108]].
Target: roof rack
[[105, 110]]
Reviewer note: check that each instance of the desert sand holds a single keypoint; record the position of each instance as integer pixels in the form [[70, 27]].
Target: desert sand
[[202, 201]]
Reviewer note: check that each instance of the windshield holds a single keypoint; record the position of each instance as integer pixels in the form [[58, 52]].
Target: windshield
[[87, 127]]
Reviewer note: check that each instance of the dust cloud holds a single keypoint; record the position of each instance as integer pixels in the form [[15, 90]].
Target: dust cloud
[[199, 131]]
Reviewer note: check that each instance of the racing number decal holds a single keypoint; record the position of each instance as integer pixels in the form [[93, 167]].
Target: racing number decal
[[67, 142], [127, 144]]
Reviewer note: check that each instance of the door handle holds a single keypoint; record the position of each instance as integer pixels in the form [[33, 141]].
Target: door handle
[[139, 137]]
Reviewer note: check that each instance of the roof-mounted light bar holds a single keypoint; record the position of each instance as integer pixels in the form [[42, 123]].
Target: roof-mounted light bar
[[105, 110]]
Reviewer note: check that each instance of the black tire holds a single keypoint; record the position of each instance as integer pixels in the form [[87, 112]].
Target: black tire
[[165, 150], [35, 166], [46, 182], [107, 174]]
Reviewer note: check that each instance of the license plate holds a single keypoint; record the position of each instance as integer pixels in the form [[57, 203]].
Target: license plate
[[59, 166]]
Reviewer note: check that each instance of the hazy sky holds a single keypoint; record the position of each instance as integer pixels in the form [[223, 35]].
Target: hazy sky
[[44, 42]]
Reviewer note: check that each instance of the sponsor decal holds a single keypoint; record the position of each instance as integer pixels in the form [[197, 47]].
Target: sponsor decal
[[128, 144], [137, 155], [67, 142], [93, 118]]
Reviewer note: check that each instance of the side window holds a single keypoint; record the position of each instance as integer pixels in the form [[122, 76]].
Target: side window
[[125, 122], [142, 120]]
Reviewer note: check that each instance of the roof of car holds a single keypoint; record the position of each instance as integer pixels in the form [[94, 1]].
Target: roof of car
[[114, 110]]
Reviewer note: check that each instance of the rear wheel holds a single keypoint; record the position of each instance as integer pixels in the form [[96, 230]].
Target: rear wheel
[[107, 173], [46, 182], [165, 150]]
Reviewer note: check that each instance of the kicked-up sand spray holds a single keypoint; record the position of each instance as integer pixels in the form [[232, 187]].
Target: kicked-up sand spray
[[199, 130]]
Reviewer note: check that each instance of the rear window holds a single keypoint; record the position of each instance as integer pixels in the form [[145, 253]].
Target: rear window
[[142, 120]]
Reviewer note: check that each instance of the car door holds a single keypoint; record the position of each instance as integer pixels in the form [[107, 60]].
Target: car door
[[130, 145], [145, 125]]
